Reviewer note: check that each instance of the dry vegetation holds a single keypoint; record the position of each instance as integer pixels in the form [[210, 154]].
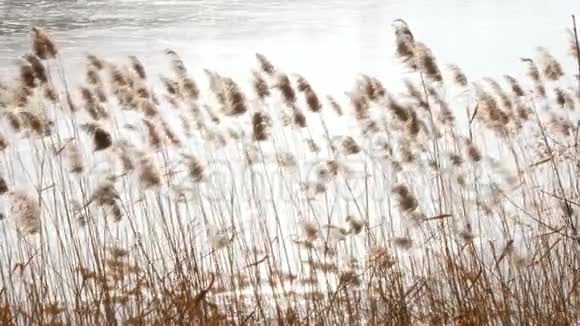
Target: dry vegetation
[[132, 199]]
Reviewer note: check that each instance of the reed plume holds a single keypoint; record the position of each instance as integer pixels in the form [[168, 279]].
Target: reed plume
[[265, 65], [472, 152], [457, 75], [195, 167], [426, 62], [540, 89], [232, 98], [25, 212], [286, 90], [101, 138], [399, 110], [105, 193], [125, 153], [299, 118], [515, 86], [334, 105], [3, 186], [349, 146], [33, 122], [405, 43], [148, 173], [93, 77], [564, 99], [261, 123], [309, 231], [260, 86], [42, 44], [74, 158], [148, 108], [377, 89], [414, 125], [355, 225], [171, 86], [91, 106], [504, 98], [21, 94], [416, 94], [100, 94], [117, 76], [168, 131], [153, 136], [372, 88], [95, 62], [574, 48], [360, 104], [312, 145], [327, 170], [533, 71], [403, 243], [551, 68], [27, 75], [37, 68], [177, 64], [189, 88], [311, 98], [138, 67], [106, 196], [407, 201]]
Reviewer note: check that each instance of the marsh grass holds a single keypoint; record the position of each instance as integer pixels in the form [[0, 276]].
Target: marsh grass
[[136, 201]]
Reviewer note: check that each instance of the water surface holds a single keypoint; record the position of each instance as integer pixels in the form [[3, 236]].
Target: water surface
[[321, 39]]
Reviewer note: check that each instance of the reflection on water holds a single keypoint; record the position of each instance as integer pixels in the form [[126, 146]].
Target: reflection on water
[[17, 16], [209, 32], [323, 38], [69, 15]]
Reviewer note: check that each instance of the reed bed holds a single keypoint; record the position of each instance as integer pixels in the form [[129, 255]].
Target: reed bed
[[136, 199]]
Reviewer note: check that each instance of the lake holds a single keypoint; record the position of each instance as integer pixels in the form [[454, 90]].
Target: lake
[[327, 41]]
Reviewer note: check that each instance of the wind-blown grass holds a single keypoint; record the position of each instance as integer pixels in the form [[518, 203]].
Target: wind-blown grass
[[131, 200]]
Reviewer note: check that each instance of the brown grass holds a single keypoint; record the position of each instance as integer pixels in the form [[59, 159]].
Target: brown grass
[[128, 203]]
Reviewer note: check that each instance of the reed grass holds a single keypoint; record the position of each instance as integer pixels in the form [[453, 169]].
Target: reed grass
[[139, 202]]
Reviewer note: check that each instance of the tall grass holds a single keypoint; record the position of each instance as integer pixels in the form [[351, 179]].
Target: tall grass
[[131, 199]]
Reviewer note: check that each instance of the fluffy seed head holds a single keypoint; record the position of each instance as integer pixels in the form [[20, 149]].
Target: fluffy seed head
[[37, 68], [286, 90], [515, 85], [261, 123], [138, 67], [3, 186], [355, 225], [551, 68], [42, 44], [407, 201], [260, 85], [334, 105], [427, 63], [101, 138], [195, 167], [265, 64], [457, 75], [74, 158], [148, 172], [472, 152], [403, 243], [25, 212]]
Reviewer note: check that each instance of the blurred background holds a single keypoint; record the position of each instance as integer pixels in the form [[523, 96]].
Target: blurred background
[[327, 41]]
